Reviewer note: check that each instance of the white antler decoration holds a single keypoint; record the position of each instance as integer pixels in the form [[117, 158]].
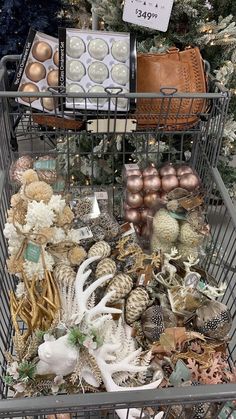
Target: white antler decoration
[[190, 262], [168, 269], [83, 296]]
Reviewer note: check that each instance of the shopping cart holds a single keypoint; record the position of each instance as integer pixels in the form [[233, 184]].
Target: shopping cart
[[104, 141]]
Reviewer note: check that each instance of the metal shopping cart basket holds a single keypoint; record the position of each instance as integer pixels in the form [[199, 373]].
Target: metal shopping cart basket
[[84, 142]]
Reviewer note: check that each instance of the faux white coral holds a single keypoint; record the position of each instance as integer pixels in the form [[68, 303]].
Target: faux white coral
[[39, 216], [59, 235], [56, 203], [37, 270]]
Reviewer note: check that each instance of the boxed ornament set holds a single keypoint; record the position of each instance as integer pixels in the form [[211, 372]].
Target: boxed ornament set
[[100, 311], [91, 62]]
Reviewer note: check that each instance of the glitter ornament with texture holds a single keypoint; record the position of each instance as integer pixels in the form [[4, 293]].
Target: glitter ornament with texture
[[105, 267], [122, 284], [48, 176], [154, 321], [188, 236], [101, 249], [214, 320], [136, 304], [19, 167], [165, 227]]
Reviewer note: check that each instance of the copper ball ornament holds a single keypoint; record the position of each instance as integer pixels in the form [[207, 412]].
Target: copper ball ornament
[[189, 181], [169, 182], [56, 58], [182, 170], [35, 71], [133, 216], [133, 172], [145, 213], [167, 169], [151, 199], [134, 183], [19, 167], [134, 200], [29, 88], [151, 183], [53, 78], [150, 171], [41, 51]]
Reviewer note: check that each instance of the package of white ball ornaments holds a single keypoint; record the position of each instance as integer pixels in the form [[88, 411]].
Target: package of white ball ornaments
[[91, 62], [38, 71]]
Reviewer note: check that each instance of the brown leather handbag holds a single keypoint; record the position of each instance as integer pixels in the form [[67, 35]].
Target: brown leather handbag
[[173, 72]]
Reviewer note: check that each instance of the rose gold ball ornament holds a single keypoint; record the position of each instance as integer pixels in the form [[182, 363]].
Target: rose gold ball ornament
[[150, 170], [133, 216], [167, 169], [151, 199], [134, 200], [134, 184], [133, 172], [41, 51], [53, 78], [35, 71], [48, 176], [151, 183], [29, 88], [56, 58], [19, 167], [189, 181], [169, 182], [182, 170], [145, 213]]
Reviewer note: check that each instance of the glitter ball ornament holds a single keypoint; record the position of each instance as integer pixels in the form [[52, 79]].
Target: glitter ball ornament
[[19, 167], [213, 319], [75, 46], [42, 51], [98, 48], [101, 249], [105, 267], [48, 176], [165, 227], [120, 74], [75, 70], [98, 72], [154, 321], [136, 304], [35, 71], [29, 88], [120, 50], [53, 78], [122, 284]]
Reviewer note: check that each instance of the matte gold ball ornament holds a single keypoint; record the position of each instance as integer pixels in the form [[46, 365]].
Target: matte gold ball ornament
[[29, 88], [49, 103], [56, 58], [42, 51], [53, 78], [35, 71]]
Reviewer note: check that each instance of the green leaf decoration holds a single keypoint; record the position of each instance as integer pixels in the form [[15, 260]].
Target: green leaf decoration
[[76, 337]]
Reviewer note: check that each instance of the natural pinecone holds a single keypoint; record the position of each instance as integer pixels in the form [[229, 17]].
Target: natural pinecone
[[105, 267], [136, 304], [122, 284], [63, 273], [101, 249]]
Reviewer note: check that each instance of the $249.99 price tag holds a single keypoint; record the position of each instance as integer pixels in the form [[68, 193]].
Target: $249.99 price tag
[[153, 14]]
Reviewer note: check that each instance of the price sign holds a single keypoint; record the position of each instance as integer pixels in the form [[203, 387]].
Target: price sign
[[153, 14]]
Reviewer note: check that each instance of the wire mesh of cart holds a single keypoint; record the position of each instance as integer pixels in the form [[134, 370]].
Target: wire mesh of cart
[[91, 148]]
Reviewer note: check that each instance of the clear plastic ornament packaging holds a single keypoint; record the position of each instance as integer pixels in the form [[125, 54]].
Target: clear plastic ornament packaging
[[93, 61], [38, 71]]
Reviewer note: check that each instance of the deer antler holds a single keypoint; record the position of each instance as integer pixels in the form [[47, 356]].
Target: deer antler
[[83, 296]]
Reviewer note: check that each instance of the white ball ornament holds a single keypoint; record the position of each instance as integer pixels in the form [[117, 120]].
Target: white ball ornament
[[75, 47], [75, 88], [97, 89], [75, 70], [120, 74], [120, 50], [98, 72], [98, 49]]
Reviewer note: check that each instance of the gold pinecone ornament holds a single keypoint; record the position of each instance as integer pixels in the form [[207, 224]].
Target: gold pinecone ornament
[[122, 284], [136, 304], [63, 273], [101, 249], [105, 267]]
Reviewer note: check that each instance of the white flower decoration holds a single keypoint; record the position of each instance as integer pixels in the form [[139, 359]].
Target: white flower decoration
[[59, 235], [89, 343], [39, 216], [12, 370], [56, 203]]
